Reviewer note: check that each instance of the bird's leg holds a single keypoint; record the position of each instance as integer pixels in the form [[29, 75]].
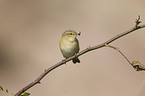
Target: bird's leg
[[75, 55], [64, 61]]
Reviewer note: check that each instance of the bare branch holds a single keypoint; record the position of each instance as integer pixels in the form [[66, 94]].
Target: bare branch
[[136, 66]]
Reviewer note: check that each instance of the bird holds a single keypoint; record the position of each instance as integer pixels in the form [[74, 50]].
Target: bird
[[69, 44]]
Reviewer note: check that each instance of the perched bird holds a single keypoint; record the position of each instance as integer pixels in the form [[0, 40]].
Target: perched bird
[[69, 44]]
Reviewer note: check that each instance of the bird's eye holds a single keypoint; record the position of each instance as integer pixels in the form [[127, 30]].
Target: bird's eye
[[71, 34]]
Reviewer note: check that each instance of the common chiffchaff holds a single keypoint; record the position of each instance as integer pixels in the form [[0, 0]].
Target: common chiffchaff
[[69, 44]]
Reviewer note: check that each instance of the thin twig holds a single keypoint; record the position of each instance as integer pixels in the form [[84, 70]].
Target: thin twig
[[120, 53], [37, 81], [135, 64]]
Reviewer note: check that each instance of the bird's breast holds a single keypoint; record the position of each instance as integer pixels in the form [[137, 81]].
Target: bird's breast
[[68, 48]]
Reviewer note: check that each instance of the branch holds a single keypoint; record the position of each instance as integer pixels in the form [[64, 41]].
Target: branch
[[137, 66]]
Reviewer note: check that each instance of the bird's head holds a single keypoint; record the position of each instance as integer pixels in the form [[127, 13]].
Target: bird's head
[[70, 34]]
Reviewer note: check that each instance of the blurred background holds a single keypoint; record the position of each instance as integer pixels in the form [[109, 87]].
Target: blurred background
[[29, 35]]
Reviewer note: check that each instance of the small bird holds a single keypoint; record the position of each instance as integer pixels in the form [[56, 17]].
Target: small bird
[[69, 44]]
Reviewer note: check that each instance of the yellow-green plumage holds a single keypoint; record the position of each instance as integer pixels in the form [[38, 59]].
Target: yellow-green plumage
[[69, 45]]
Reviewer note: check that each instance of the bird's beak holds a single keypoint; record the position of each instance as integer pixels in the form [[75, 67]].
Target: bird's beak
[[79, 33]]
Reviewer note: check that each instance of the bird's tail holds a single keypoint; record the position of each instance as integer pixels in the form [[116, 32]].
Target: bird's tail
[[75, 60]]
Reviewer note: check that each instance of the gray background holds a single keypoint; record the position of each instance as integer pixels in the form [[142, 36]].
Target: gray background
[[29, 34]]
